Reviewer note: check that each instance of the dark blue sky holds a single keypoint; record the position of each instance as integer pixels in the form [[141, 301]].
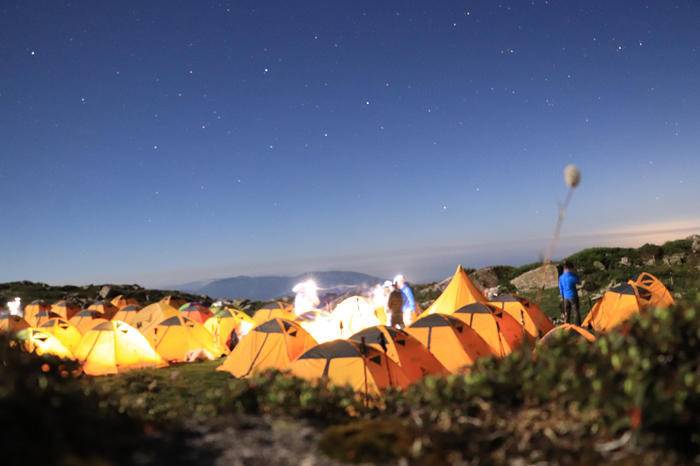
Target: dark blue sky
[[168, 141]]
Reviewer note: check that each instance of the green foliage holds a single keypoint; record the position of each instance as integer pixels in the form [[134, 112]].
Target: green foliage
[[47, 417]]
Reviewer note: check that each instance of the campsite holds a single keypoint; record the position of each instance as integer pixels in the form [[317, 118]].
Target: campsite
[[490, 370], [336, 233]]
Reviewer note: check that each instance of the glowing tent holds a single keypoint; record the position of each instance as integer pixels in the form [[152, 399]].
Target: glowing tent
[[107, 309], [460, 292], [33, 308], [196, 311], [273, 310], [322, 325], [127, 314], [66, 332], [42, 343], [354, 314], [499, 330], [173, 301], [571, 329], [12, 324], [65, 309], [272, 345], [155, 312], [660, 296], [616, 306], [405, 350], [179, 339], [525, 312], [451, 341], [113, 347], [122, 301], [86, 319], [341, 362]]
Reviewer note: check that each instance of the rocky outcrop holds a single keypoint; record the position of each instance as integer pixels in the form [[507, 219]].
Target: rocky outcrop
[[485, 277], [545, 276], [695, 246], [598, 265], [674, 259]]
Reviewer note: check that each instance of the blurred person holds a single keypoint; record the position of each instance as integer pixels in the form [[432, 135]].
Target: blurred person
[[306, 298], [395, 306], [409, 302], [569, 294]]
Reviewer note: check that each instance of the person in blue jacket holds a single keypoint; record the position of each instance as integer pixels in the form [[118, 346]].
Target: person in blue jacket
[[569, 293], [409, 302]]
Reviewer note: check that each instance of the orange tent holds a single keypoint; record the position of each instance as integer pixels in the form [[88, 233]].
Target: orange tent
[[272, 311], [571, 329], [460, 292], [272, 345], [12, 324], [525, 312], [341, 362], [617, 305], [127, 314], [86, 319], [660, 296], [406, 351], [179, 339], [67, 333], [41, 316], [33, 308], [155, 312], [65, 309], [499, 330], [105, 308], [450, 340], [173, 301], [121, 301]]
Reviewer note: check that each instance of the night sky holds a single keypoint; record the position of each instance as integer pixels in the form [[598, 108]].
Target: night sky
[[166, 141]]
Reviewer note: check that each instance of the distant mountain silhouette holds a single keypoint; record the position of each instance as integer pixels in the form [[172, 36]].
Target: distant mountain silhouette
[[271, 287]]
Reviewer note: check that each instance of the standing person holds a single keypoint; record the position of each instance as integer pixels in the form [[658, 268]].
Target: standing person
[[409, 302], [395, 305], [567, 289]]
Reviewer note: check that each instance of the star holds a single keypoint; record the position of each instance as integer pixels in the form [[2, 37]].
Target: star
[[32, 53]]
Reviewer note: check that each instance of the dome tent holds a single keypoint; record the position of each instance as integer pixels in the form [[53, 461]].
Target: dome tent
[[405, 350], [451, 341], [342, 362], [113, 347], [272, 345]]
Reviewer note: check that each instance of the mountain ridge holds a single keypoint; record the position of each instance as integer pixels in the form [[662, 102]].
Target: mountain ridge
[[266, 287]]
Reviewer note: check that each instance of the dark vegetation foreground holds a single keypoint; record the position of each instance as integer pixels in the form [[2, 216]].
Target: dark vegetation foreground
[[630, 398]]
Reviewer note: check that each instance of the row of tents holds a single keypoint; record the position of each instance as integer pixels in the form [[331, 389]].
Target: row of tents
[[111, 337], [355, 348], [460, 327]]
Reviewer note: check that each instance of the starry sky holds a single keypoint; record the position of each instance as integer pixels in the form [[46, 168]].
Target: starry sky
[[161, 142]]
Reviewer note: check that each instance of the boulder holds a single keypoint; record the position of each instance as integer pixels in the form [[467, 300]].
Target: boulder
[[545, 276], [598, 265], [625, 261], [695, 246], [485, 277], [104, 291], [675, 259], [650, 261]]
